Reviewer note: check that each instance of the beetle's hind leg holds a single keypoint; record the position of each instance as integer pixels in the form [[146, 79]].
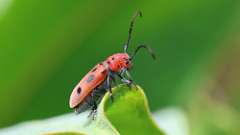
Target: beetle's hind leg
[[83, 106], [96, 96], [93, 112]]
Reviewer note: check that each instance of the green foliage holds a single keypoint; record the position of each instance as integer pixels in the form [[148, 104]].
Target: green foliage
[[128, 114], [47, 46], [64, 133], [218, 118]]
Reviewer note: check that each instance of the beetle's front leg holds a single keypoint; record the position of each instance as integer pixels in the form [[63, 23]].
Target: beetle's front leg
[[130, 79], [125, 80]]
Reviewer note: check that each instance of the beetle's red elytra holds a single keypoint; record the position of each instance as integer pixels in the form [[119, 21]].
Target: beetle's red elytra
[[100, 79]]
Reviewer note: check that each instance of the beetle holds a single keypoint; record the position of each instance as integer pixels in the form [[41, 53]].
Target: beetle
[[100, 79]]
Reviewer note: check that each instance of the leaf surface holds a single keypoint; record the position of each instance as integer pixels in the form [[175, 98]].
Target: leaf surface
[[127, 115]]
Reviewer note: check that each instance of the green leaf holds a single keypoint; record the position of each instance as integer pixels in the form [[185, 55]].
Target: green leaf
[[130, 112], [65, 133], [128, 115]]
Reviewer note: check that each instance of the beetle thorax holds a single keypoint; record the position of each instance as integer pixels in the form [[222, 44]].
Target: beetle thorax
[[118, 61]]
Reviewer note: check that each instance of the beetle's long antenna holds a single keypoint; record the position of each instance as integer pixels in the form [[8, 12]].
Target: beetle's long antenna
[[138, 13], [150, 51]]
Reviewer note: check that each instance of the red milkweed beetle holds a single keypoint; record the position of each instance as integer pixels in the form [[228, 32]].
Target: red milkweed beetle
[[96, 82]]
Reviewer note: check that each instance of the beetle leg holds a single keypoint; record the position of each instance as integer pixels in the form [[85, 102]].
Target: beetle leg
[[112, 76], [125, 80], [128, 75], [93, 107], [93, 112], [109, 85], [130, 79], [122, 72]]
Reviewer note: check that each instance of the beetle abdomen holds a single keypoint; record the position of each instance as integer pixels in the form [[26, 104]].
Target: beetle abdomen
[[83, 106], [95, 96], [86, 86]]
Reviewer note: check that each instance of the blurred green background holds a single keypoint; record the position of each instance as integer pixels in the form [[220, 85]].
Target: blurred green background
[[46, 46]]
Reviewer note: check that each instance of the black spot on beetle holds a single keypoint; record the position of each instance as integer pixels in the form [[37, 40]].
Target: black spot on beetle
[[90, 78], [94, 69], [104, 72], [108, 62], [113, 58], [127, 62], [101, 63], [79, 90]]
